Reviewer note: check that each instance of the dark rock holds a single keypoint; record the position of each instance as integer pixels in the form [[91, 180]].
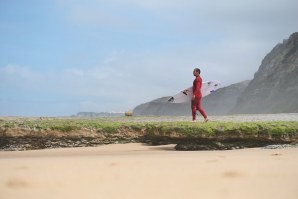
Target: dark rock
[[225, 145]]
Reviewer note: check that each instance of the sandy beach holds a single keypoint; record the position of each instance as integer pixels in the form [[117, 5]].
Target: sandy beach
[[143, 171]]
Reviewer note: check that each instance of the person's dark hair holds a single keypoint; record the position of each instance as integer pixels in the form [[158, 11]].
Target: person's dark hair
[[197, 70]]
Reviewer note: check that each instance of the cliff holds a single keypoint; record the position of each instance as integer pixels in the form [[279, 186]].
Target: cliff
[[274, 88]]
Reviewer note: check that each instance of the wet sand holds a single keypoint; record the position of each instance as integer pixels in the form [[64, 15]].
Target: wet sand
[[142, 171]]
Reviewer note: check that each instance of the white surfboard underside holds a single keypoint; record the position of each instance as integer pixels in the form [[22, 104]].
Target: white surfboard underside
[[186, 94]]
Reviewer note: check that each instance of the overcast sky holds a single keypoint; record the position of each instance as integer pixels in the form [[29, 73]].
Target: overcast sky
[[61, 57]]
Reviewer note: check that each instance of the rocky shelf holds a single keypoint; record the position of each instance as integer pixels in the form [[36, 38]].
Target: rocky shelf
[[28, 134]]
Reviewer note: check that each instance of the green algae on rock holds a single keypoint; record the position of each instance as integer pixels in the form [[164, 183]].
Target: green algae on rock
[[215, 135]]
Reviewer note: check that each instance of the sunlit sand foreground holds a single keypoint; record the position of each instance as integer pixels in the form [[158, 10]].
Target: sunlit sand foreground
[[141, 171]]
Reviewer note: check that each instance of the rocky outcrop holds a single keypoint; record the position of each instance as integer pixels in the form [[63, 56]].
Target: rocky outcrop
[[274, 88], [220, 102], [26, 133], [19, 139], [187, 136]]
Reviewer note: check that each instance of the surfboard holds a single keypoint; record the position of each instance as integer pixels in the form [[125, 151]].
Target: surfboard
[[186, 94]]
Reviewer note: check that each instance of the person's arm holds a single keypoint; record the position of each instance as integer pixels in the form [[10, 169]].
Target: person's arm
[[197, 87], [194, 88]]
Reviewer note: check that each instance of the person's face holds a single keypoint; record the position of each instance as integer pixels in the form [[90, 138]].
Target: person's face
[[194, 73]]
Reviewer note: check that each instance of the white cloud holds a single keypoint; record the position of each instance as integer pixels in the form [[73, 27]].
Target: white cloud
[[9, 69], [23, 72], [18, 77]]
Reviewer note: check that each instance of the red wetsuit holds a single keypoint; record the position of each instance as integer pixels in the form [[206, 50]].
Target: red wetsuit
[[196, 103]]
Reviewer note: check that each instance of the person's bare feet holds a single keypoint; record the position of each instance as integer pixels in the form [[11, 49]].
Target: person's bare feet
[[206, 120]]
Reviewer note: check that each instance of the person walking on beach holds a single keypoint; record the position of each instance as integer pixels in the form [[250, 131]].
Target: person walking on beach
[[197, 96]]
